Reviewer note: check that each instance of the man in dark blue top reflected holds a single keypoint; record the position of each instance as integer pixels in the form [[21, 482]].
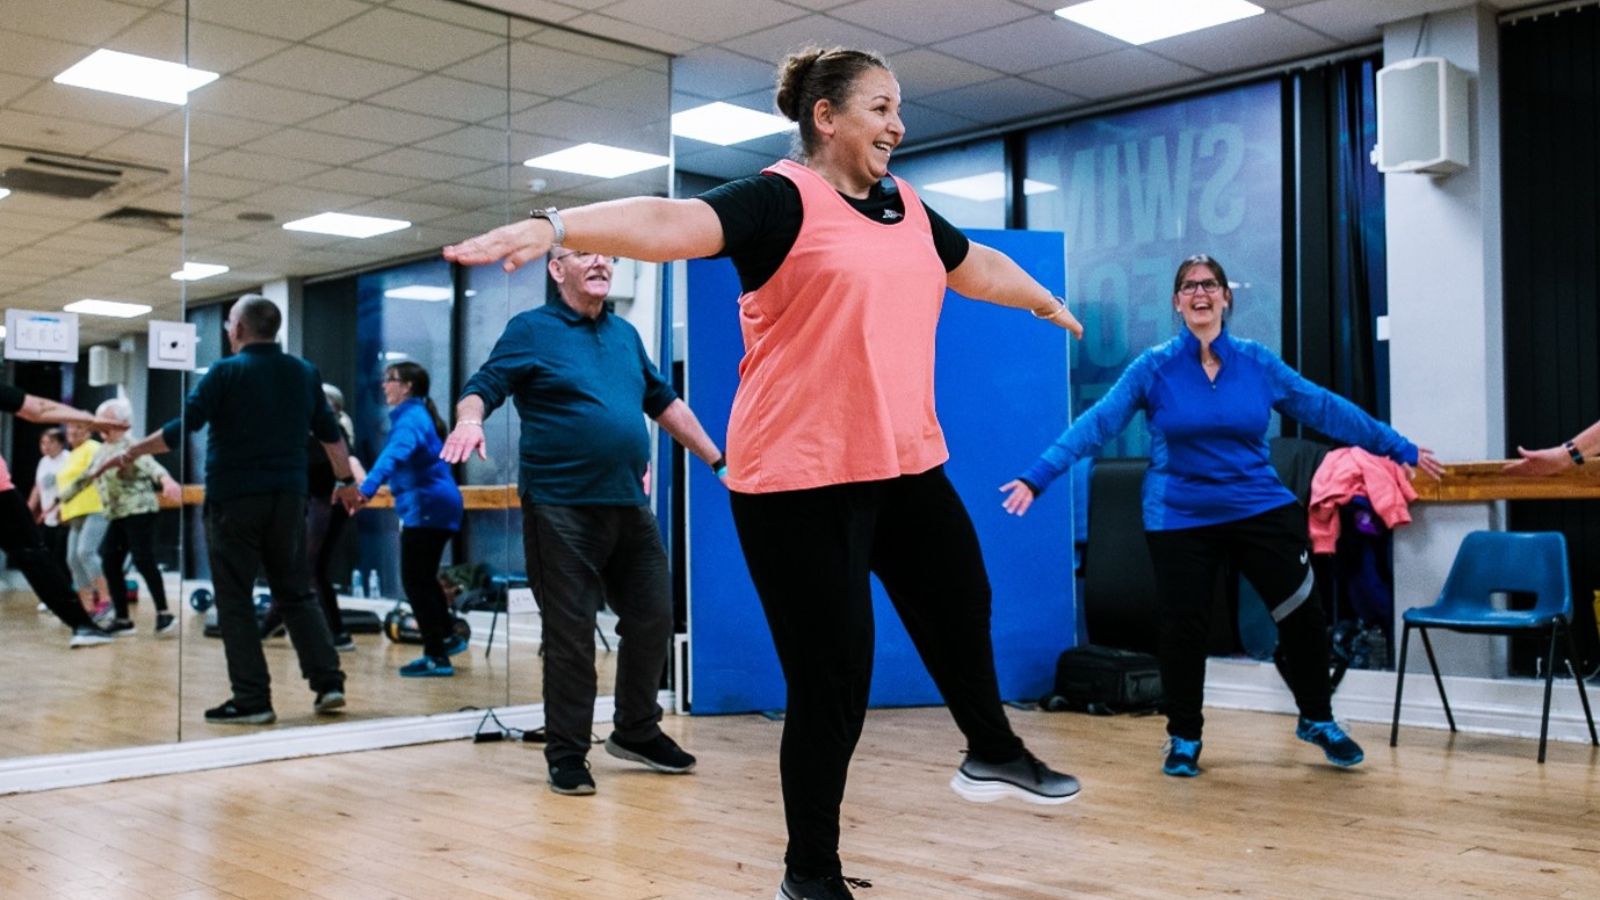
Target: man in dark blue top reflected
[[260, 403], [582, 384]]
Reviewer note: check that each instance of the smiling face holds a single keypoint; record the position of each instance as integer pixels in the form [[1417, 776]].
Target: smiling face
[[863, 133], [583, 278], [1202, 298], [395, 391]]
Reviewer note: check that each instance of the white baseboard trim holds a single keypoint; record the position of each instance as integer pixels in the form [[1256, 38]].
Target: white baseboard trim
[[43, 773], [1505, 706]]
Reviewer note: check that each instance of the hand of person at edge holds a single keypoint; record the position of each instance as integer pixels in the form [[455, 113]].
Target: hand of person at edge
[[351, 497], [1067, 320], [1018, 497], [1548, 461], [461, 442], [517, 244]]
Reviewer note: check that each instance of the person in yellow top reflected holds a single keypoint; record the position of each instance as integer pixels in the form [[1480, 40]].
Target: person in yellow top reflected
[[84, 515]]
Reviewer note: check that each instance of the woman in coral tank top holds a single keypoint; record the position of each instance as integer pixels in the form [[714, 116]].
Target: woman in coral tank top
[[843, 272]]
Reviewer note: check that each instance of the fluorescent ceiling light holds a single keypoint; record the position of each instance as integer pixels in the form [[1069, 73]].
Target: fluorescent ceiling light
[[4, 192], [136, 76], [599, 160], [113, 308], [346, 225], [194, 271], [985, 187], [394, 356], [421, 292], [1143, 21], [725, 124]]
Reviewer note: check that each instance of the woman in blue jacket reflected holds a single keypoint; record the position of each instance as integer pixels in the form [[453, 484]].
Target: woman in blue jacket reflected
[[429, 505], [1211, 495]]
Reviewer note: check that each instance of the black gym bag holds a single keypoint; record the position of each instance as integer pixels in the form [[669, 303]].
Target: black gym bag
[[1103, 681]]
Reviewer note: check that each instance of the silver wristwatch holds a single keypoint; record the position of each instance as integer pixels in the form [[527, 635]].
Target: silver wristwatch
[[550, 215]]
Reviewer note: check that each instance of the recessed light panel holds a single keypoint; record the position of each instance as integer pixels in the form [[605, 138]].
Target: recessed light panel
[[598, 160], [1143, 21], [346, 225], [136, 76], [116, 309], [4, 193], [985, 187], [423, 292], [194, 271], [724, 124]]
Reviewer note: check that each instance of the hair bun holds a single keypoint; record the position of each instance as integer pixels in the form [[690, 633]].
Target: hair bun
[[792, 73]]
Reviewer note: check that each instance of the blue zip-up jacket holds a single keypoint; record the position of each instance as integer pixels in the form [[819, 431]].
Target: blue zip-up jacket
[[1209, 461], [425, 496]]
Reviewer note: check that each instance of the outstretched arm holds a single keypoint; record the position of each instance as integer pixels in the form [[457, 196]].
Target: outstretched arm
[[653, 229], [989, 275], [1551, 460]]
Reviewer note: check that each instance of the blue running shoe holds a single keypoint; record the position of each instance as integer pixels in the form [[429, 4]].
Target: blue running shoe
[[1183, 758], [1340, 749], [428, 667], [455, 645]]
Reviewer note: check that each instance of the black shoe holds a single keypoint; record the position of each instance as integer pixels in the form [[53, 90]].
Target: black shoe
[[89, 636], [273, 629], [1025, 778], [660, 753], [823, 887], [328, 701], [122, 626], [570, 776], [231, 713], [343, 642], [166, 623]]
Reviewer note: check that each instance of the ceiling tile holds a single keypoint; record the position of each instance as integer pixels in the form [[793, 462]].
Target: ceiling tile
[[818, 5], [213, 186], [723, 162], [717, 73], [415, 163], [325, 72], [96, 107], [262, 102], [774, 43], [1030, 44], [1003, 99], [257, 166], [461, 14], [1360, 21], [925, 123], [371, 184], [377, 124], [455, 196], [213, 48], [388, 35], [293, 20], [391, 208], [485, 68], [145, 147], [553, 73], [13, 86], [487, 144], [926, 71], [329, 149], [452, 98], [79, 21], [22, 54], [617, 29], [707, 21], [584, 45], [573, 123], [289, 202], [1251, 42], [1118, 74], [641, 93], [912, 20], [51, 133]]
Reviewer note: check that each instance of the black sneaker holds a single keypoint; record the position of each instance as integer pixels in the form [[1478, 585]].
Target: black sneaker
[[328, 701], [121, 626], [89, 636], [166, 623], [660, 753], [570, 776], [231, 713], [343, 642], [273, 629], [823, 887], [1025, 778]]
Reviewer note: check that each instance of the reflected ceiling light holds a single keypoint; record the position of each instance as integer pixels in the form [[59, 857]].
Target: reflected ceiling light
[[346, 225], [395, 356], [1143, 21], [724, 124], [116, 309], [4, 193], [985, 187], [599, 160], [136, 76], [194, 271], [422, 292]]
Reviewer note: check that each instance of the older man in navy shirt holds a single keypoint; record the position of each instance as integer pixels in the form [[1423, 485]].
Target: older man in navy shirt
[[581, 382]]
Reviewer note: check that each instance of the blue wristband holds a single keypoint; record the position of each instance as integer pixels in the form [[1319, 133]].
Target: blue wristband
[[720, 467]]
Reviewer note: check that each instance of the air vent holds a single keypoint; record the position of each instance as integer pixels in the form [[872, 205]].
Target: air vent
[[149, 219], [69, 177]]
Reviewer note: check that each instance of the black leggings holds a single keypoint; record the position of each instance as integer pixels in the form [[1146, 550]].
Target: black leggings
[[420, 552], [1272, 550], [135, 534], [20, 541], [811, 554]]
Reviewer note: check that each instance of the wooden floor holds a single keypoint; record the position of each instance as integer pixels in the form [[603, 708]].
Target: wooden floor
[[60, 700], [1469, 817]]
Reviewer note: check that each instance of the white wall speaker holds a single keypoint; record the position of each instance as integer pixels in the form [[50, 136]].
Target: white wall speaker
[[1423, 117], [107, 366]]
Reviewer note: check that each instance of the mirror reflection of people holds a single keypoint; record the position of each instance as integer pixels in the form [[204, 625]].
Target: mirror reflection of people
[[259, 403], [131, 505], [835, 453], [1212, 496], [44, 501], [84, 516], [429, 506], [19, 536]]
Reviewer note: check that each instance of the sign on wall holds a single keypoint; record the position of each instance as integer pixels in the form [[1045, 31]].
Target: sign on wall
[[47, 336]]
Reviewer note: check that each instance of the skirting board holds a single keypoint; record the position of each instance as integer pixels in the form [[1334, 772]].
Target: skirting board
[[1508, 706], [43, 773]]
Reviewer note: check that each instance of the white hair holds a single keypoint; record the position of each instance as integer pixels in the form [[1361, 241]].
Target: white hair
[[334, 395], [116, 408]]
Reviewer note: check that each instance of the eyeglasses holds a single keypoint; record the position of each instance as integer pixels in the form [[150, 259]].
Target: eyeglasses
[[393, 379], [584, 258], [1210, 286]]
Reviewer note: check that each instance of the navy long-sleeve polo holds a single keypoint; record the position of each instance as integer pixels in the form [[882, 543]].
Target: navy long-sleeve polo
[[581, 386], [259, 402]]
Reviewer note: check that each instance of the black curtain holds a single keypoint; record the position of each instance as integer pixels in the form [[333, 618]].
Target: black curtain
[[1550, 132]]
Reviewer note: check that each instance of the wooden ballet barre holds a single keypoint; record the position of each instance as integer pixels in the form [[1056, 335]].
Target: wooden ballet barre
[[474, 496], [1483, 480]]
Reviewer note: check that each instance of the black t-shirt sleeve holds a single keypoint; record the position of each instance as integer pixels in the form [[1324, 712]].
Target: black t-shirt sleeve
[[12, 398], [760, 218], [953, 246]]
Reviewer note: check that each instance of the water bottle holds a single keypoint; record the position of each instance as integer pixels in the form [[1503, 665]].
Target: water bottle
[[374, 591], [356, 590]]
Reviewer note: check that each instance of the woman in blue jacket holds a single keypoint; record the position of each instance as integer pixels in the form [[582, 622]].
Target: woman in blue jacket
[[1211, 495], [429, 505]]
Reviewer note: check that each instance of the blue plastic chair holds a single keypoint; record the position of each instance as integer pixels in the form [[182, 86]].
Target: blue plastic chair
[[1491, 562]]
